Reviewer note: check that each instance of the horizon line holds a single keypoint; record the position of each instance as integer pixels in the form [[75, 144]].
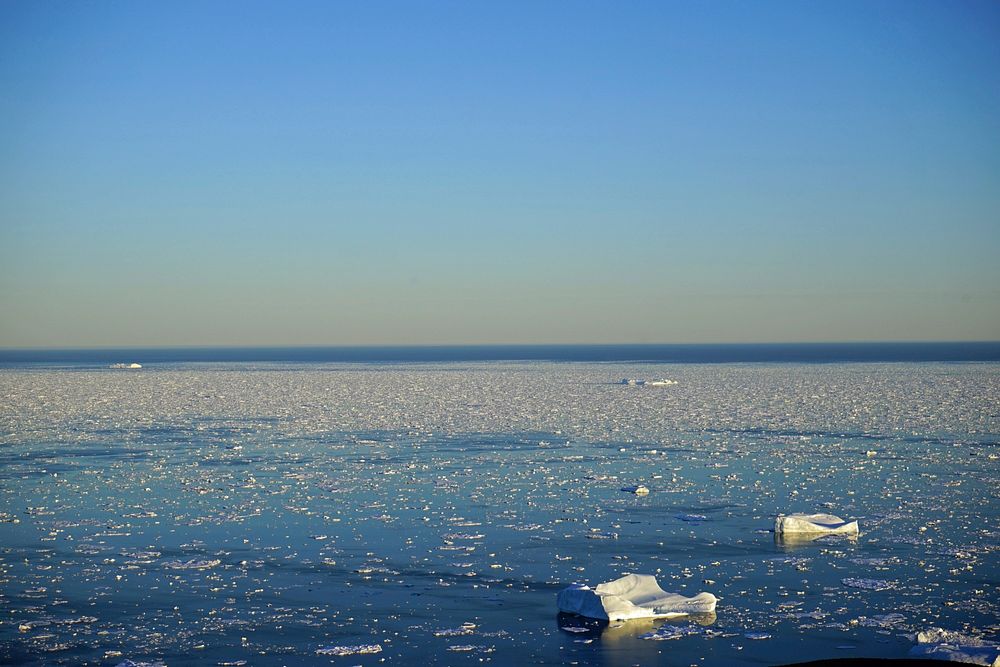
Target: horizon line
[[392, 346]]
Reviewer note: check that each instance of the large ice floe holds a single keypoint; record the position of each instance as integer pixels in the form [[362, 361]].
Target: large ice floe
[[632, 596], [938, 644], [812, 526]]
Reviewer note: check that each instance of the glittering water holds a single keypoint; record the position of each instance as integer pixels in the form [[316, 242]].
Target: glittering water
[[353, 514]]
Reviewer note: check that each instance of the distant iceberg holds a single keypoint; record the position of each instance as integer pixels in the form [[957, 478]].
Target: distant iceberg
[[632, 596], [120, 365], [659, 382]]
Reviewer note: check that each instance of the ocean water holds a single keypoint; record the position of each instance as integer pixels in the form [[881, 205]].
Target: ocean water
[[280, 513], [654, 353]]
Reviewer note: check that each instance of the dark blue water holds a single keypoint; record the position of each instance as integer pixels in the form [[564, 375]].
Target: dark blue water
[[688, 353]]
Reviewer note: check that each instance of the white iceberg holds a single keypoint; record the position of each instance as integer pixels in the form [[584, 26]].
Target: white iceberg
[[657, 382], [122, 365], [632, 596], [811, 526], [938, 644]]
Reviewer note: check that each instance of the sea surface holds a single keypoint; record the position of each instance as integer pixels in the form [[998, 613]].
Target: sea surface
[[286, 512]]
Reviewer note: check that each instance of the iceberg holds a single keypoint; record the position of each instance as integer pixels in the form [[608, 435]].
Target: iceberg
[[122, 365], [811, 526], [938, 644], [657, 382], [632, 596]]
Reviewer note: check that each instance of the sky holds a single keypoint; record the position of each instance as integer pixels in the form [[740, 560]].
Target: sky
[[369, 173]]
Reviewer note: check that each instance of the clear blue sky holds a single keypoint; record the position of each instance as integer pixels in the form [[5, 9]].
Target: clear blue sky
[[250, 173]]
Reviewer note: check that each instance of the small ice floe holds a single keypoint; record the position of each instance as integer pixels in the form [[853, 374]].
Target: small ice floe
[[575, 629], [361, 649], [122, 365], [938, 644], [462, 630], [632, 596], [28, 626], [879, 621], [598, 534], [638, 489], [868, 584], [875, 562], [794, 527], [668, 632], [757, 635], [193, 564], [132, 663], [692, 518]]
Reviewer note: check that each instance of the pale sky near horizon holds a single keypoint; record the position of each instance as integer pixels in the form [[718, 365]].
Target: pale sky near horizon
[[250, 173]]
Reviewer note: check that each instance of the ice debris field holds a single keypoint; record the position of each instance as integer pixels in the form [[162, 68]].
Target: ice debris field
[[276, 514]]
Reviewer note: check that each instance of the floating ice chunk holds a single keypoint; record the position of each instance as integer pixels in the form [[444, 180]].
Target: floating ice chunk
[[596, 534], [192, 564], [28, 626], [875, 562], [464, 629], [350, 650], [811, 526], [692, 517], [122, 365], [574, 628], [757, 635], [938, 644], [638, 489], [632, 596], [879, 621], [668, 632], [868, 584]]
